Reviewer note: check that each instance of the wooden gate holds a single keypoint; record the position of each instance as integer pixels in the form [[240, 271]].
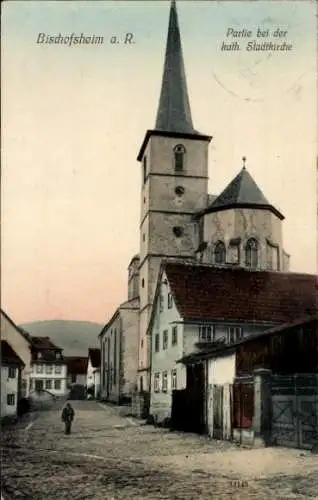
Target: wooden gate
[[243, 403], [295, 410], [196, 398], [218, 411]]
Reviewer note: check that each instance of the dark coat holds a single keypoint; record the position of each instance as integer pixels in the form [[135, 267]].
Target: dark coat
[[68, 414]]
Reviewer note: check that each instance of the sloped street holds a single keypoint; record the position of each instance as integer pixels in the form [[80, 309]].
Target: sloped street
[[108, 456]]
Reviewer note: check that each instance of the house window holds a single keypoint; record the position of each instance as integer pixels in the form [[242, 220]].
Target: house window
[[156, 385], [73, 378], [144, 169], [219, 253], [161, 302], [164, 381], [251, 253], [11, 372], [31, 385], [10, 399], [39, 368], [142, 283], [49, 369], [143, 237], [157, 342], [173, 379], [165, 340], [58, 369], [142, 343], [169, 301], [141, 384], [48, 384], [206, 333], [57, 385], [179, 154], [174, 339], [234, 334]]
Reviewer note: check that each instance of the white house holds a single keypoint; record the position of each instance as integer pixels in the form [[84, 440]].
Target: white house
[[11, 368], [49, 370], [197, 306], [21, 344], [93, 372]]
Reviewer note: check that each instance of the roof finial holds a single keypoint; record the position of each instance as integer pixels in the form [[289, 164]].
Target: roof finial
[[244, 161]]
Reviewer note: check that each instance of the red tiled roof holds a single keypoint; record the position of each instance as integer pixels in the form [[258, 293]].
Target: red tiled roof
[[94, 355], [209, 292], [8, 355], [76, 365]]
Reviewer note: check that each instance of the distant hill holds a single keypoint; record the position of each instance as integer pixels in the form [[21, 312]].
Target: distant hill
[[75, 337]]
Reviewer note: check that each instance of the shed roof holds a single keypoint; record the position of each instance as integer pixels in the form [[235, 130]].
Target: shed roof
[[220, 350]]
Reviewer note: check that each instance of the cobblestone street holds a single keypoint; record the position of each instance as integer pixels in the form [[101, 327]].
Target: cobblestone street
[[111, 457]]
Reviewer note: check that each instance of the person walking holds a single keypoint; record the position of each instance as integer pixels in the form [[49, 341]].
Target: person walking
[[68, 417]]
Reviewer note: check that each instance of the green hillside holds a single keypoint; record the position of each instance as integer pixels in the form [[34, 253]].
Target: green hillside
[[75, 337]]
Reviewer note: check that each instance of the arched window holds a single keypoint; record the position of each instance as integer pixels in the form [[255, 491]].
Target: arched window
[[251, 253], [179, 154], [219, 253]]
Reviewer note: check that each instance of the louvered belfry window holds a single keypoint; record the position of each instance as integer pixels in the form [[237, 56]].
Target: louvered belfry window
[[179, 154]]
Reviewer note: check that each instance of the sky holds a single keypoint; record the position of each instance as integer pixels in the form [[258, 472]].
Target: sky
[[74, 117]]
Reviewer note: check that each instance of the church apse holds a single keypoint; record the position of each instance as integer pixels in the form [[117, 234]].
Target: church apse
[[246, 224]]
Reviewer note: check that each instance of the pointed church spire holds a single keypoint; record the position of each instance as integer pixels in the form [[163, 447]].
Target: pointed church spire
[[174, 113]]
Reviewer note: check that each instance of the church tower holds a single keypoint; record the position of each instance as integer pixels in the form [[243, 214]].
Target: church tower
[[174, 176]]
